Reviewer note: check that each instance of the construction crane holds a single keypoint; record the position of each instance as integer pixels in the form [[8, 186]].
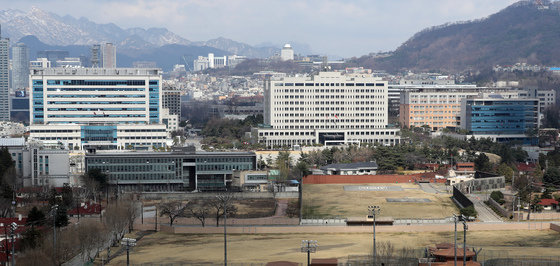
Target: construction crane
[[187, 64]]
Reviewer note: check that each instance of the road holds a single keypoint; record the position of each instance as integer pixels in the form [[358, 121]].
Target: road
[[485, 213]]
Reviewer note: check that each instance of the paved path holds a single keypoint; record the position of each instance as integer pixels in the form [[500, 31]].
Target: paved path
[[427, 187], [485, 213]]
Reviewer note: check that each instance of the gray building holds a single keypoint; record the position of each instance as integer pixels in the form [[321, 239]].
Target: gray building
[[4, 78], [180, 170], [172, 101], [36, 165], [20, 67], [362, 168]]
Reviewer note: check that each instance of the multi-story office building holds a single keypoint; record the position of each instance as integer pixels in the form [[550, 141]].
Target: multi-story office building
[[4, 79], [435, 106], [328, 108], [109, 55], [185, 170], [97, 108], [19, 106], [500, 119], [20, 67], [212, 61]]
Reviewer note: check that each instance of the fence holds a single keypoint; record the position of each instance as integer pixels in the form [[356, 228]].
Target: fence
[[332, 221], [412, 221], [460, 198], [498, 208]]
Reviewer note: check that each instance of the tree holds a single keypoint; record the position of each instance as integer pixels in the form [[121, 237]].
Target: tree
[[552, 176], [293, 209], [173, 210], [92, 236], [200, 210], [506, 171], [35, 217], [31, 238], [116, 221], [469, 211], [482, 163], [61, 217], [222, 205], [497, 196]]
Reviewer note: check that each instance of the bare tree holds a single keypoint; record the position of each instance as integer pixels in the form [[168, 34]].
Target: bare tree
[[116, 221], [131, 212], [223, 202], [200, 210], [173, 210], [92, 236]]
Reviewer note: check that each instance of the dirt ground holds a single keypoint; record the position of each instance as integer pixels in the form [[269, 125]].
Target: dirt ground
[[163, 248], [330, 200]]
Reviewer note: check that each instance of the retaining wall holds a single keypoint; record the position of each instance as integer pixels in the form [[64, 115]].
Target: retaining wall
[[364, 179]]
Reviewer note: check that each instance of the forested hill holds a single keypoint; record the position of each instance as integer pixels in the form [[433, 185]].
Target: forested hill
[[523, 32]]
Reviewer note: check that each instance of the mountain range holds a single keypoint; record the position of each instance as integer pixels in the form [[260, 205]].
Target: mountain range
[[527, 31], [51, 31]]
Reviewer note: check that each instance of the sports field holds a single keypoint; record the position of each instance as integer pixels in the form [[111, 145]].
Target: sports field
[[332, 200], [176, 249]]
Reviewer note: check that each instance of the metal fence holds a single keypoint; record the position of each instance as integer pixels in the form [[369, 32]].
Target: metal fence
[[324, 221], [411, 221]]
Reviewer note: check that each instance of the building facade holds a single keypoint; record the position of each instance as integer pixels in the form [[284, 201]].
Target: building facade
[[20, 67], [328, 108], [434, 106], [97, 107], [287, 53], [172, 100], [4, 79], [171, 171], [109, 53], [500, 119]]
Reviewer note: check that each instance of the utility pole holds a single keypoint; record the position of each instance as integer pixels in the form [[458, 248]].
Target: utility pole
[[373, 210], [156, 218], [225, 199]]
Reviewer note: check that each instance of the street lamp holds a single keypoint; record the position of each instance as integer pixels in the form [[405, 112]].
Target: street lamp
[[309, 246], [373, 211], [455, 219], [128, 242]]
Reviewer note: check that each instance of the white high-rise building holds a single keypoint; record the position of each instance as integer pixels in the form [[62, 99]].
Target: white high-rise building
[[98, 108], [109, 55], [328, 108], [287, 53]]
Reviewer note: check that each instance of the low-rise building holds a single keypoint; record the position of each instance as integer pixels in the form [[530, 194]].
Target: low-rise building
[[179, 170], [362, 168], [257, 181]]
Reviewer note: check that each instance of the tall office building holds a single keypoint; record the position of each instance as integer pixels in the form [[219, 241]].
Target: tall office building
[[20, 67], [172, 100], [501, 119], [4, 78], [287, 53], [328, 108], [98, 108], [109, 55]]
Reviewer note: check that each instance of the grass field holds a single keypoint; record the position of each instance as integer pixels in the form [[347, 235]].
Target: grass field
[[330, 200], [163, 248]]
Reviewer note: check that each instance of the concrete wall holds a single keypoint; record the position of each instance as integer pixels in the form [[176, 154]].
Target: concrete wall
[[239, 195], [555, 227]]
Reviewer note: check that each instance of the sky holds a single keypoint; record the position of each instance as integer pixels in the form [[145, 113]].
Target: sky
[[334, 27]]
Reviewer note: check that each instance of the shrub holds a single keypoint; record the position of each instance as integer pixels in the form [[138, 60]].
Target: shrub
[[469, 211]]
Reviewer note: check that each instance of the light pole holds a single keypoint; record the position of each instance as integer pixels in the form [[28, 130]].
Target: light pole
[[455, 219], [13, 227], [225, 199], [309, 246], [465, 228], [54, 211], [373, 211], [128, 242]]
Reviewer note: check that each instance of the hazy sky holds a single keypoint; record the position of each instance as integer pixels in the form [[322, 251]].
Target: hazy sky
[[336, 27]]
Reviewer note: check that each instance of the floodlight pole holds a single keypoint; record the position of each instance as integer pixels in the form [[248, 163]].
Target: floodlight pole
[[455, 246], [54, 211], [464, 239], [12, 234], [373, 211]]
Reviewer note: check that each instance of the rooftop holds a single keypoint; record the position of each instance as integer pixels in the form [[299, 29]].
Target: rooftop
[[81, 71], [12, 142], [349, 166]]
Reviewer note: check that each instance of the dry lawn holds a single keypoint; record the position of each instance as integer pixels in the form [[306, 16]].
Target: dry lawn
[[330, 200], [163, 248]]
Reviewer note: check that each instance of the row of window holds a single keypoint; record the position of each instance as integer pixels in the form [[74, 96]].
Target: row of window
[[308, 84]]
